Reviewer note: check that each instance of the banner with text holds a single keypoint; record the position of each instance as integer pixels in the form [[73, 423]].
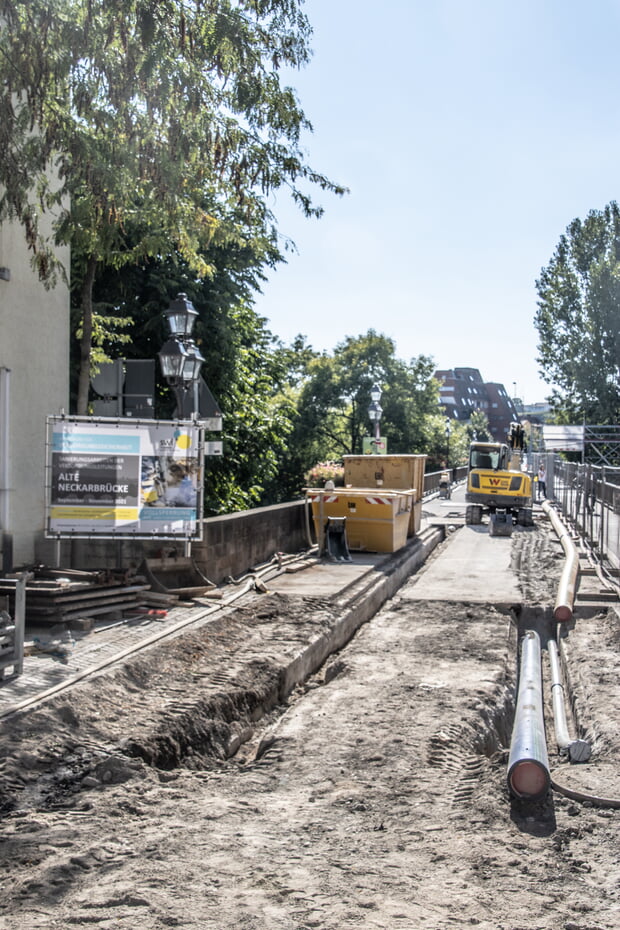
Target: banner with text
[[109, 478]]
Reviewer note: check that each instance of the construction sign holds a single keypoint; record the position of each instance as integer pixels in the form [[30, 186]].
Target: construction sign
[[124, 478], [372, 446]]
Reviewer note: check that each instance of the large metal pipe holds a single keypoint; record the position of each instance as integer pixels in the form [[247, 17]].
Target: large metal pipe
[[528, 763], [579, 750], [565, 598]]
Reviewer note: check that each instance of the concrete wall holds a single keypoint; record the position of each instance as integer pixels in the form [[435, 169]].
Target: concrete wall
[[232, 544], [34, 360]]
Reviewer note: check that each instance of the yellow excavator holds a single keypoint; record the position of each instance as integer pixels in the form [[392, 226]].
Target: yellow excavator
[[496, 484]]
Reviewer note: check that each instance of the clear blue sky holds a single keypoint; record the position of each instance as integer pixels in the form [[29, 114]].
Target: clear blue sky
[[470, 133]]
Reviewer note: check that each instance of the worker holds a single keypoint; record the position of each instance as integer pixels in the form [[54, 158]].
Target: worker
[[542, 481]]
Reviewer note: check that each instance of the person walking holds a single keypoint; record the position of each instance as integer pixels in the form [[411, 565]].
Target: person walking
[[542, 481]]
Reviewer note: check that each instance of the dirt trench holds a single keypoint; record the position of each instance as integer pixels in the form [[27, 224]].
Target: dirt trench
[[180, 790]]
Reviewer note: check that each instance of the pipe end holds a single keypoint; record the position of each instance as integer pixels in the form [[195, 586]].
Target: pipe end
[[563, 613], [528, 780]]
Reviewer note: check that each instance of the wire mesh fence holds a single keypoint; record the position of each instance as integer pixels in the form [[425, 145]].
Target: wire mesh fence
[[589, 496]]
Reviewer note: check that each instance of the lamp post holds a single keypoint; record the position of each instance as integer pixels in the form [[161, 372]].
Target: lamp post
[[374, 412], [448, 431], [180, 357]]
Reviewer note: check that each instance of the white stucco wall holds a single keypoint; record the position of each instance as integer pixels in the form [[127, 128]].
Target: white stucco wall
[[34, 346]]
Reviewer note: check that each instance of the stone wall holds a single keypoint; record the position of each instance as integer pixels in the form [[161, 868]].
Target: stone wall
[[236, 542], [232, 544]]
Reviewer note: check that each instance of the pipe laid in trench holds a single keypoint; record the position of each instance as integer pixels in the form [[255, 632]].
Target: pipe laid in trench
[[528, 763], [565, 598], [579, 750]]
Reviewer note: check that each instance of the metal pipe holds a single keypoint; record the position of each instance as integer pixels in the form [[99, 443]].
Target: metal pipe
[[528, 763], [579, 750], [308, 509], [563, 610]]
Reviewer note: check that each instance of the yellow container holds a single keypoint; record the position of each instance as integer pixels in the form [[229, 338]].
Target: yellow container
[[376, 521], [390, 472]]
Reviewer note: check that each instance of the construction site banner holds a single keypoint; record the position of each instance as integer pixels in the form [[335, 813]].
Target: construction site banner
[[134, 478]]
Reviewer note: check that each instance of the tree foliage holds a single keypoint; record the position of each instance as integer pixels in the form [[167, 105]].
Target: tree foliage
[[330, 394], [242, 367], [578, 319], [148, 128], [478, 427]]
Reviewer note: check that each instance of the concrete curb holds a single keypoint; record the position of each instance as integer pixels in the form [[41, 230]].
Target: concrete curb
[[363, 601]]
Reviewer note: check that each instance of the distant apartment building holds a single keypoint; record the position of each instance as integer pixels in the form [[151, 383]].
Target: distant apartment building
[[462, 391], [535, 413]]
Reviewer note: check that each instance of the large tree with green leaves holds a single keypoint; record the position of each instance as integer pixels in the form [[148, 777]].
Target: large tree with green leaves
[[336, 395], [147, 128], [330, 393], [578, 319], [242, 367]]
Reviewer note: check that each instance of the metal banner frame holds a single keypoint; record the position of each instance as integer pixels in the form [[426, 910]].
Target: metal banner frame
[[113, 478], [603, 445]]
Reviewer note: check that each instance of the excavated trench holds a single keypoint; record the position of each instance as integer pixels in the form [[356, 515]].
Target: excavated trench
[[194, 788], [171, 708]]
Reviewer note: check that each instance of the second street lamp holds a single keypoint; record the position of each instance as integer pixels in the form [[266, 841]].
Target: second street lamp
[[374, 412], [448, 431], [180, 357]]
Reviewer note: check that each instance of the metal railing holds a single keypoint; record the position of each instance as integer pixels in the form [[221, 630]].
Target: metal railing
[[589, 496], [432, 478], [12, 630]]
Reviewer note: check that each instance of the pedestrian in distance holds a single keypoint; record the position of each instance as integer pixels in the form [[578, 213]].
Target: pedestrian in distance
[[542, 481]]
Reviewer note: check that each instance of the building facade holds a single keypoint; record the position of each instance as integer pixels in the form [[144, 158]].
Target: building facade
[[34, 382], [462, 391]]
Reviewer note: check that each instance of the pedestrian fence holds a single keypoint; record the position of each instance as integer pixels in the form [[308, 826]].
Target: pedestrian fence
[[589, 496], [432, 478]]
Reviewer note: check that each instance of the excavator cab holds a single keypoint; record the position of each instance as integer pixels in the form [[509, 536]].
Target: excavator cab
[[488, 455]]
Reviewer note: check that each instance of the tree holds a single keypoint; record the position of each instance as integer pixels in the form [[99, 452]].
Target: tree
[[336, 396], [148, 127], [331, 394], [478, 427], [243, 367], [410, 406], [578, 319]]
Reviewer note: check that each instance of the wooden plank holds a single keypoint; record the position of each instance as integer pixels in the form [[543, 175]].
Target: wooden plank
[[65, 616], [90, 593], [83, 609]]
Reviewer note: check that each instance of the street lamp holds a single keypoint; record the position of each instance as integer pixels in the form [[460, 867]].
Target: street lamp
[[448, 431], [375, 410], [180, 357], [181, 316]]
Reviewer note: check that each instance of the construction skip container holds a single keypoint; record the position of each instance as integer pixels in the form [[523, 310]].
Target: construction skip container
[[376, 520], [389, 472]]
